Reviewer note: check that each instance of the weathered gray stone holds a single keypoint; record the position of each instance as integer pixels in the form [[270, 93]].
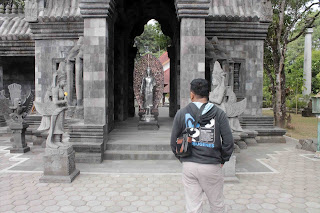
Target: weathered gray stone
[[242, 145], [18, 140], [192, 58], [229, 170], [148, 125], [31, 10], [223, 96], [2, 121], [308, 144], [59, 165]]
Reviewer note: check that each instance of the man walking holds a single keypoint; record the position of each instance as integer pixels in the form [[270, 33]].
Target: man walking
[[212, 146]]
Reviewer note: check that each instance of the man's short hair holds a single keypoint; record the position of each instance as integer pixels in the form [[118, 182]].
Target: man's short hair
[[200, 87]]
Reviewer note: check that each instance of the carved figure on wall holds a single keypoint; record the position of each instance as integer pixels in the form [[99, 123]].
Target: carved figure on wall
[[4, 105], [74, 66], [19, 108], [225, 98], [53, 110], [147, 91], [266, 11], [31, 10]]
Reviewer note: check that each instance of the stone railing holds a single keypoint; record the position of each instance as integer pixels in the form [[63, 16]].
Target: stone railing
[[8, 10]]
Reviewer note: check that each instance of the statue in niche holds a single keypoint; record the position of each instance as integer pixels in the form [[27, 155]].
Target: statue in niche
[[31, 10], [224, 97], [4, 105], [147, 91], [74, 63], [53, 110]]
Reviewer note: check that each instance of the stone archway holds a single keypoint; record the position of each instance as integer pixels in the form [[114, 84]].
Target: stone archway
[[129, 23], [110, 27]]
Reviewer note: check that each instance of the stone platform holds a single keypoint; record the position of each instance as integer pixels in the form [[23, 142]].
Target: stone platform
[[264, 126], [59, 165]]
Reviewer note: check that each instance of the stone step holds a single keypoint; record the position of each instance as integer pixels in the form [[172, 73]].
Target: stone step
[[139, 147], [138, 155]]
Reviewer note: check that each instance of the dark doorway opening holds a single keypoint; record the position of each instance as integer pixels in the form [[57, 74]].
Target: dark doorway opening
[[131, 19]]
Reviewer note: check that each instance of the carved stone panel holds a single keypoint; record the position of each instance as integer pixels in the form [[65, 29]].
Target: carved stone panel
[[31, 10]]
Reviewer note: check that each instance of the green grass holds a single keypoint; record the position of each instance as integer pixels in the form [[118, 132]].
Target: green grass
[[302, 127]]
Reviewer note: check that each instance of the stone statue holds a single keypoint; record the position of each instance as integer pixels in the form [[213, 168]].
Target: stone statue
[[19, 110], [53, 110], [31, 10], [147, 90], [74, 64], [225, 98], [59, 159], [4, 105]]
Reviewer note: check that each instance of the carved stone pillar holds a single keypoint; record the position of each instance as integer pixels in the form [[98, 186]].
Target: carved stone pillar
[[192, 50], [89, 138], [97, 15]]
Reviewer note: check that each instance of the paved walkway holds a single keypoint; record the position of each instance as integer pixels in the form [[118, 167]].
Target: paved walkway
[[291, 185]]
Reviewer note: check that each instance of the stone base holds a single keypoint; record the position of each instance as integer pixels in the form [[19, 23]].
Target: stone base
[[59, 179], [59, 165], [271, 139], [151, 125], [229, 170], [89, 142], [20, 150], [18, 139]]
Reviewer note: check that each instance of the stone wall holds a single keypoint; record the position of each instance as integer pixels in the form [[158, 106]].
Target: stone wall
[[48, 55], [18, 70], [250, 54]]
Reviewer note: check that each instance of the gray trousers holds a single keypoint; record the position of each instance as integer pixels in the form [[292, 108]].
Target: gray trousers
[[199, 179]]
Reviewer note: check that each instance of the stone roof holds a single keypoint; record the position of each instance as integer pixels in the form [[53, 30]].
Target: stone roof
[[14, 28], [241, 9], [62, 10]]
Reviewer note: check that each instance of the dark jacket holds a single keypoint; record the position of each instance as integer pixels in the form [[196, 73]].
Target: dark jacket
[[218, 151]]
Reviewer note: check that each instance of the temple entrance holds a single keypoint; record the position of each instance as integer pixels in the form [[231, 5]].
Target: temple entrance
[[130, 22]]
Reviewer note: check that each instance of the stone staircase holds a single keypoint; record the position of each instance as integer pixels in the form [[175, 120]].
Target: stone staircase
[[126, 142], [138, 152]]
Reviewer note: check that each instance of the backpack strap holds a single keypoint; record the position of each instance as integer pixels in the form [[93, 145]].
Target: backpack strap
[[199, 113]]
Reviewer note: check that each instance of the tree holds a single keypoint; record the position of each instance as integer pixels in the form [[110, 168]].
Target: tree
[[282, 31], [11, 2], [152, 39]]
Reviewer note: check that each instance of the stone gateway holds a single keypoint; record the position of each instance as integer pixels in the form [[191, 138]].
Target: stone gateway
[[95, 38]]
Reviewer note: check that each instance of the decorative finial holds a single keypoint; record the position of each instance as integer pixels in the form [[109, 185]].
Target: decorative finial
[[1, 9], [20, 9], [8, 9], [14, 9]]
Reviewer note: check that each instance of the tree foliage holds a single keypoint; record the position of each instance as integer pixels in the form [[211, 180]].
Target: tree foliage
[[283, 30], [152, 40], [11, 2]]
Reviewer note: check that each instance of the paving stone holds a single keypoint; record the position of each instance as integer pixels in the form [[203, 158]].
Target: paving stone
[[161, 209], [82, 209], [98, 209], [253, 206]]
